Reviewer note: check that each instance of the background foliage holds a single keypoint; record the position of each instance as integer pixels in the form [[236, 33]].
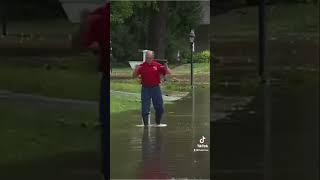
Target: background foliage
[[130, 27]]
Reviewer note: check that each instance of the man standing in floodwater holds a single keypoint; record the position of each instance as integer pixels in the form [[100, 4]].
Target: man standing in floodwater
[[149, 72]]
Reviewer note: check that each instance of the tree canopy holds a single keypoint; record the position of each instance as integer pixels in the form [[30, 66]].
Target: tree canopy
[[162, 26]]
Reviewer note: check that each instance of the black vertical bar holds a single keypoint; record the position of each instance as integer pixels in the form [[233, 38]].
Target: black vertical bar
[[262, 39]]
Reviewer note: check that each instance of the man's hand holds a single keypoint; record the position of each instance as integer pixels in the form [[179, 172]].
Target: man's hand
[[168, 70], [135, 71], [166, 66]]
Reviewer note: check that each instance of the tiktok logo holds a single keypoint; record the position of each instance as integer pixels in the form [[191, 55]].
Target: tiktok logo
[[203, 146], [202, 140]]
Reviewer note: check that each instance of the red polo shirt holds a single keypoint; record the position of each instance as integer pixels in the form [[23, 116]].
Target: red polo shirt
[[150, 73], [98, 31]]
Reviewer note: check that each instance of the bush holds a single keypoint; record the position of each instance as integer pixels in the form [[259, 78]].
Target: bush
[[202, 57], [174, 46]]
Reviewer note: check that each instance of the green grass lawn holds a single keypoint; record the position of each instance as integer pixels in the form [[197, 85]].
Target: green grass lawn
[[178, 81], [76, 78], [177, 69], [121, 69], [123, 103], [127, 85], [199, 68], [173, 85], [67, 83]]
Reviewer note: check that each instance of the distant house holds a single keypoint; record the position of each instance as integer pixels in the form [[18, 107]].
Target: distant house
[[73, 8]]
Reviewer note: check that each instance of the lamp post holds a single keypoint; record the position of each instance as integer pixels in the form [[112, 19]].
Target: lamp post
[[191, 39]]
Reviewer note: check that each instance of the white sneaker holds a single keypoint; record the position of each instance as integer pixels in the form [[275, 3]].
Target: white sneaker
[[159, 125]]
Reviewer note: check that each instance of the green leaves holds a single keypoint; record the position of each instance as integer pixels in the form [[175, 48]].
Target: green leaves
[[131, 25], [121, 11], [202, 57]]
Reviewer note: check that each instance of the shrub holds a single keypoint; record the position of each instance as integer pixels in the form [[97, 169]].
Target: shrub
[[202, 57]]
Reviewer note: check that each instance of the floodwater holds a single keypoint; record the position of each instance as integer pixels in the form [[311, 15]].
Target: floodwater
[[166, 152]]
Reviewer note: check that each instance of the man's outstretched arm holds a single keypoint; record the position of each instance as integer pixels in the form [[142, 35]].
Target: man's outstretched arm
[[167, 69], [135, 72]]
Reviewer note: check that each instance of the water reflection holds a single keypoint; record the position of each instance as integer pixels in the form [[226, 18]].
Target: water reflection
[[153, 165]]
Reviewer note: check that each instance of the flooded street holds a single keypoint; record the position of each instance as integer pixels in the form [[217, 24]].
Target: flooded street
[[166, 152]]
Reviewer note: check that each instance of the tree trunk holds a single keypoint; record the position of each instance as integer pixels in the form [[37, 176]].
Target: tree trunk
[[158, 31]]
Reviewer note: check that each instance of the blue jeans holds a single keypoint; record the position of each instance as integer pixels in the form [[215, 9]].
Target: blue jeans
[[154, 94]]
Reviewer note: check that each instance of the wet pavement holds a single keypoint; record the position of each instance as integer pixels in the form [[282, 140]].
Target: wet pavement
[[166, 152]]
